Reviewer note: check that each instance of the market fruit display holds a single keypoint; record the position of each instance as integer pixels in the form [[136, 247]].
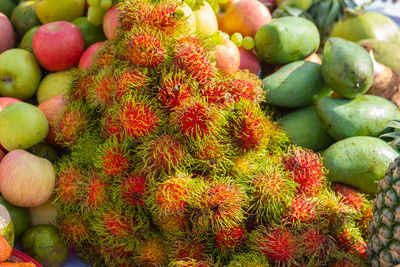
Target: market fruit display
[[384, 240]]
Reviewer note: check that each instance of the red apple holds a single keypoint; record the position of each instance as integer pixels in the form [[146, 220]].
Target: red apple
[[227, 57], [7, 35], [111, 22], [246, 17], [249, 61], [53, 109], [58, 45], [5, 101], [86, 58]]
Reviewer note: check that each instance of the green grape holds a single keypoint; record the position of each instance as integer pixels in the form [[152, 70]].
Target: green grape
[[106, 4], [95, 15], [218, 38], [225, 35], [191, 3], [93, 2], [221, 2], [237, 39], [248, 43]]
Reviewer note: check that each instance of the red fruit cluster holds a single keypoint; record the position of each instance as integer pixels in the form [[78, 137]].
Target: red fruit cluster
[[278, 245]]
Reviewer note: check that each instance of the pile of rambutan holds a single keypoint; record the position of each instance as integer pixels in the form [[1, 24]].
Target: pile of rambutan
[[172, 163]]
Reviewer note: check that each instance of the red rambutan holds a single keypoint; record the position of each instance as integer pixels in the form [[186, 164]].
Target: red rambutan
[[174, 224], [313, 242], [118, 225], [73, 122], [217, 94], [163, 153], [82, 86], [209, 148], [111, 126], [69, 185], [172, 195], [188, 248], [102, 92], [96, 192], [131, 80], [245, 85], [113, 158], [195, 119], [230, 239], [146, 49], [152, 253], [74, 229], [350, 196], [278, 245], [133, 190], [138, 119], [301, 211], [306, 169], [175, 88], [195, 61], [350, 240]]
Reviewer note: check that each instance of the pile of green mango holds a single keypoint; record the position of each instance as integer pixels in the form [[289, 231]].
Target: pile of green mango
[[324, 106]]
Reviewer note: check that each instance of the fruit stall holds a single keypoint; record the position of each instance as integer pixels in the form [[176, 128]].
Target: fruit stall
[[200, 133]]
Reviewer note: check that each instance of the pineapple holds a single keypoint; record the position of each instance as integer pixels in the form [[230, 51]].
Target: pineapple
[[384, 229]]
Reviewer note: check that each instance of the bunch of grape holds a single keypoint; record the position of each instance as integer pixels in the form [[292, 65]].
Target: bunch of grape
[[97, 9]]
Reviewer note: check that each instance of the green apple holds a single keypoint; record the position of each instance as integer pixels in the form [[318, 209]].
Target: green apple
[[206, 21], [20, 74], [91, 33], [59, 10], [53, 84], [22, 126], [26, 42]]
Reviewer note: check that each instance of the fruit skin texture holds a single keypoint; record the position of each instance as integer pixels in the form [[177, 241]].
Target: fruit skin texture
[[383, 229], [53, 84], [364, 115], [303, 75], [346, 67], [19, 74], [359, 162], [227, 57], [58, 45], [60, 10], [246, 17], [7, 35], [23, 125], [44, 244], [26, 180], [286, 40], [305, 129]]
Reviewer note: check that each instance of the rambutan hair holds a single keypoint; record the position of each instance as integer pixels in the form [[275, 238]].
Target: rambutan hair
[[314, 243], [131, 191], [69, 185], [172, 224], [81, 86], [229, 240], [306, 169], [152, 252], [252, 258], [302, 210], [95, 193], [195, 61], [350, 196], [74, 228], [188, 247], [278, 244], [103, 90], [131, 79], [111, 126], [244, 85]]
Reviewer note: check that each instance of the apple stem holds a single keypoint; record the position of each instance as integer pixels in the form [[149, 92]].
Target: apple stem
[[7, 79]]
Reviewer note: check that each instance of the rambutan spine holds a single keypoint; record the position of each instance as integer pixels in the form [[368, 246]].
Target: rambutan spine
[[229, 240], [132, 191], [74, 228]]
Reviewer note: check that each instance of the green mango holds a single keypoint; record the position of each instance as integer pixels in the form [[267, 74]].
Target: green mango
[[366, 25], [386, 53], [294, 85], [26, 42], [347, 67], [305, 129], [286, 40], [359, 161], [366, 115], [24, 17], [6, 7]]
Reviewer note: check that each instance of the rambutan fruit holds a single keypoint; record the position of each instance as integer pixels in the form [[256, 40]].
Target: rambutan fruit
[[85, 147], [216, 93], [248, 259], [306, 169], [278, 244], [75, 120], [171, 196], [350, 196], [188, 247], [69, 185], [196, 119], [145, 48], [95, 194], [189, 262], [195, 61], [74, 228], [132, 191], [219, 205], [102, 92], [111, 126], [81, 86], [273, 192], [152, 252], [349, 238], [364, 218], [113, 158], [172, 225], [115, 256], [345, 259], [313, 242], [244, 85], [131, 79], [301, 210], [175, 88], [162, 153], [248, 126], [229, 240], [138, 118]]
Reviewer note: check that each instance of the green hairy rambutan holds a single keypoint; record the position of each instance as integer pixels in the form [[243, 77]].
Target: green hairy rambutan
[[170, 162]]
